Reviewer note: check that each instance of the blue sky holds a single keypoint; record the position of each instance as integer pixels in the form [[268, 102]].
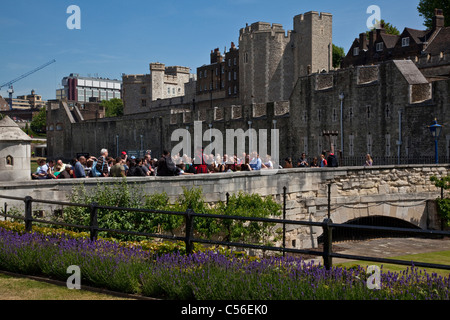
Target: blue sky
[[125, 36]]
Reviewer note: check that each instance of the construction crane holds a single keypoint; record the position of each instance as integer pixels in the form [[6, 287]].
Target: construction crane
[[10, 83]]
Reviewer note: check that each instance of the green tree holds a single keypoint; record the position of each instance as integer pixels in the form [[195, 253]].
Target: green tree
[[113, 107], [338, 55], [39, 122], [443, 203], [390, 29], [426, 10]]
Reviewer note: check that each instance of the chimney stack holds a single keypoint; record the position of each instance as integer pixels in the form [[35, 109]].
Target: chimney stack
[[438, 19]]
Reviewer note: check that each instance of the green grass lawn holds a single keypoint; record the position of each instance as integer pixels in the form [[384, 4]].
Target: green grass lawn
[[18, 288], [439, 257], [34, 165]]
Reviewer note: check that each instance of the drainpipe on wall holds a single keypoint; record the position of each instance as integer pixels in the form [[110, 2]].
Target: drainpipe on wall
[[399, 142]]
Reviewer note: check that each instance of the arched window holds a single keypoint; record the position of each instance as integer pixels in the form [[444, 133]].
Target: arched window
[[9, 161]]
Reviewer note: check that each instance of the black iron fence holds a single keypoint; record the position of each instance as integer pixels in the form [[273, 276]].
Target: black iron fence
[[356, 161], [327, 226]]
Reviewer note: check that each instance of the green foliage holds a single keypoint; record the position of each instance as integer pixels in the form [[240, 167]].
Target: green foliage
[[442, 182], [390, 29], [443, 203], [444, 210], [39, 122], [338, 55], [126, 195], [249, 205], [113, 107], [426, 10]]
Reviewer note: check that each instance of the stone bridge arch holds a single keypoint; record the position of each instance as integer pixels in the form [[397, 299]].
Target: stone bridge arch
[[416, 213]]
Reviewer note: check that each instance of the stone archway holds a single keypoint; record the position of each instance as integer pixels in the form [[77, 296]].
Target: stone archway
[[340, 235], [412, 212]]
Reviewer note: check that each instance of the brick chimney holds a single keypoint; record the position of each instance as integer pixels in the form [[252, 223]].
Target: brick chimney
[[438, 19], [216, 56], [362, 41]]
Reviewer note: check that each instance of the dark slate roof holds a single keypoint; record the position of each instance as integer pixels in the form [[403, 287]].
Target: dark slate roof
[[441, 42], [419, 36], [389, 40], [410, 71]]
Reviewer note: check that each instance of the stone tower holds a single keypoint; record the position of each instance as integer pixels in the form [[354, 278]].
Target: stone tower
[[15, 152], [313, 43], [271, 60], [157, 71], [265, 61]]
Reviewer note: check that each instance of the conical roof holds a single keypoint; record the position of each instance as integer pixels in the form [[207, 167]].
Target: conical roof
[[10, 131]]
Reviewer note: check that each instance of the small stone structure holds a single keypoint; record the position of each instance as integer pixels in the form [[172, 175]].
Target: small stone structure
[[15, 152]]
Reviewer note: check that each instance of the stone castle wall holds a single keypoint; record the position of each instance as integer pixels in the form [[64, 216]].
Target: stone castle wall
[[154, 130], [384, 104], [382, 114]]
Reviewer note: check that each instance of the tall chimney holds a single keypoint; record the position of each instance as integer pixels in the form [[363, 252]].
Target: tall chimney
[[438, 19]]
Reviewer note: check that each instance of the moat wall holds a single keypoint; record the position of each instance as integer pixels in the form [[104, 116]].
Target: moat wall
[[401, 192]]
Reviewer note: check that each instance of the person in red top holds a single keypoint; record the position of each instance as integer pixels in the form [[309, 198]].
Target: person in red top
[[200, 162], [323, 161]]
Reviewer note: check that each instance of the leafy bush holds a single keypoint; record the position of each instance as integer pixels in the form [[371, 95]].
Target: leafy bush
[[443, 203], [206, 275], [126, 195]]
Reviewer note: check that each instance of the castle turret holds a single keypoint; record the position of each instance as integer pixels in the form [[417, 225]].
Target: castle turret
[[313, 43], [265, 64], [271, 60]]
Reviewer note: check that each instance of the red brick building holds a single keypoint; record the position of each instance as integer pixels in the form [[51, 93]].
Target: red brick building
[[429, 49], [222, 74]]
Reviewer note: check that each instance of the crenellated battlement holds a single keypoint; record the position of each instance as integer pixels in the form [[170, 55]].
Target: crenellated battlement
[[263, 27], [134, 78], [263, 112], [313, 15]]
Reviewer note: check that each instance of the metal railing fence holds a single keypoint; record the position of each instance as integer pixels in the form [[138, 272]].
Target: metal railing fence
[[327, 226]]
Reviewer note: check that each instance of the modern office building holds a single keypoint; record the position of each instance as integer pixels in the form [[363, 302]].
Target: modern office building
[[86, 89]]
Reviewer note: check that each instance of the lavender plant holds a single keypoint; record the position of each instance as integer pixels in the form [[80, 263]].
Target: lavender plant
[[206, 275]]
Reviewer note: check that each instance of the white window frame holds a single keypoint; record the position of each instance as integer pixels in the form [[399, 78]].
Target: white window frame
[[405, 42], [380, 46], [355, 52]]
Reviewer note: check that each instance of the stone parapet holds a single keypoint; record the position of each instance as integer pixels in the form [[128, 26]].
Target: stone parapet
[[401, 192]]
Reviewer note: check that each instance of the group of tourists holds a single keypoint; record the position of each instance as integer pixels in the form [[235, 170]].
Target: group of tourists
[[326, 159], [170, 165], [96, 167]]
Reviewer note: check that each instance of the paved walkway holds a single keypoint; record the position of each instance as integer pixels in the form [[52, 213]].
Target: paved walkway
[[390, 247]]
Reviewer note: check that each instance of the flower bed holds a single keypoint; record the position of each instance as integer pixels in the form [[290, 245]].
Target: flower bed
[[204, 275]]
